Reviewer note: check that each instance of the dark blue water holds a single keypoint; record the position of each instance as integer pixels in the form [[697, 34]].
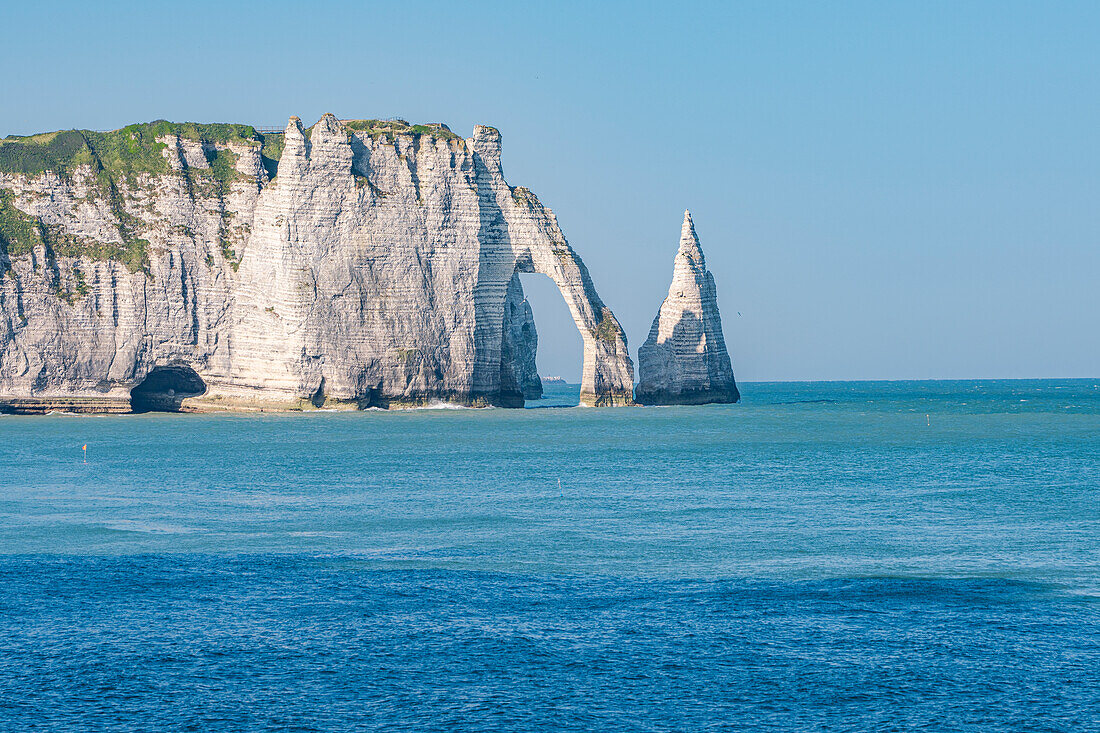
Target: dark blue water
[[888, 556]]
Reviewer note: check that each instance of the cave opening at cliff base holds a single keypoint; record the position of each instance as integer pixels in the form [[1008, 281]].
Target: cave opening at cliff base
[[165, 388]]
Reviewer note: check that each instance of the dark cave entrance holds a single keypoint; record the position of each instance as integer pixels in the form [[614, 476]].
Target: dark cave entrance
[[165, 388]]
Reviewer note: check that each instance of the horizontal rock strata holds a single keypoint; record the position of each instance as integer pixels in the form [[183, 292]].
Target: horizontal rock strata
[[352, 264], [684, 360]]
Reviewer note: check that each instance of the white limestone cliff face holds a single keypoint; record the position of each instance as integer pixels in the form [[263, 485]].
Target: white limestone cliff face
[[374, 269], [77, 333], [684, 360]]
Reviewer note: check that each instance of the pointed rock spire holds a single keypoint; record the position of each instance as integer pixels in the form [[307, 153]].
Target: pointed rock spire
[[684, 360], [329, 127], [295, 157], [689, 240], [486, 143], [295, 134], [689, 258]]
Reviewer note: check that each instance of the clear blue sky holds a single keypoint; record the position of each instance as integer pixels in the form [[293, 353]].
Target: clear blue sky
[[883, 190]]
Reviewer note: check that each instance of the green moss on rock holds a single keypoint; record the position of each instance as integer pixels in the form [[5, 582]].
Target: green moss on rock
[[608, 329], [223, 169], [20, 233], [133, 253]]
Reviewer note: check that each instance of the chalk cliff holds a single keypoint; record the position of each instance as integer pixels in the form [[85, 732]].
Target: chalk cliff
[[684, 360], [355, 263]]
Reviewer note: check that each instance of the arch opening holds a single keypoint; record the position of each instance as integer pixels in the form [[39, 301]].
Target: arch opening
[[165, 388], [559, 359]]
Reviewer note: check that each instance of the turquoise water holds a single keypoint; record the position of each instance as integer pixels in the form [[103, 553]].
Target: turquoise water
[[822, 556]]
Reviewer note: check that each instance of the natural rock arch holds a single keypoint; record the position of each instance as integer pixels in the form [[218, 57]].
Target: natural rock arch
[[520, 235], [536, 244], [383, 266]]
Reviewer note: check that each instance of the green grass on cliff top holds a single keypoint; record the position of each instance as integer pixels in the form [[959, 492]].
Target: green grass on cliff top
[[376, 128], [134, 149], [113, 156], [131, 150]]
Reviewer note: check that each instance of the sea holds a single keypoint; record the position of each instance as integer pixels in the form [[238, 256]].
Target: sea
[[842, 556]]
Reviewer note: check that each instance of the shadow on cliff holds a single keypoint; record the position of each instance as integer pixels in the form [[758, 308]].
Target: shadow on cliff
[[662, 361], [165, 388], [494, 378]]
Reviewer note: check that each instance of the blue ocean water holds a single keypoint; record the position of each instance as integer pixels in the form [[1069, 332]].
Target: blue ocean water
[[823, 556]]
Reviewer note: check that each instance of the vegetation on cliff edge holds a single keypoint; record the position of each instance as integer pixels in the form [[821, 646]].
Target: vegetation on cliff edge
[[125, 152], [134, 149], [608, 329], [120, 155], [271, 150], [390, 128], [19, 232], [117, 156]]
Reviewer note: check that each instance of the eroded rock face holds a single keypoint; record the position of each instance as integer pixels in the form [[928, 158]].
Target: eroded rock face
[[520, 344], [374, 269], [684, 360]]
